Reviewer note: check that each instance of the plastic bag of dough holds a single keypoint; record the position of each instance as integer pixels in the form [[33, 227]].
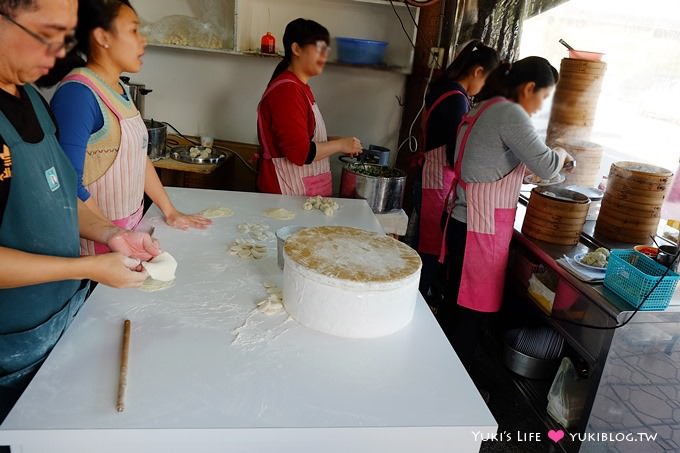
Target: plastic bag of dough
[[187, 31]]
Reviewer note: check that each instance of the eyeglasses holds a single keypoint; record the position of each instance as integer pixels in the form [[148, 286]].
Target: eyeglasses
[[322, 48], [53, 47]]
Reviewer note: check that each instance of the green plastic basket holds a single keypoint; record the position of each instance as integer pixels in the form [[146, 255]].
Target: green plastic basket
[[632, 275]]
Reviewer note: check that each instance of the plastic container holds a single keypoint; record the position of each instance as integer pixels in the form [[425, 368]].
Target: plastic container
[[360, 51], [647, 250], [585, 55], [632, 275]]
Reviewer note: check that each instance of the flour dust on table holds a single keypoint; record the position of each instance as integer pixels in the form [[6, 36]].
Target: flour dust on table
[[259, 329]]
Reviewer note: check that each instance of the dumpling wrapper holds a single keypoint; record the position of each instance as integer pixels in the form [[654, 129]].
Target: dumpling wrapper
[[161, 267]]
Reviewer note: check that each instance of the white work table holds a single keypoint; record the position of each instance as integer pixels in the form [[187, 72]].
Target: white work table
[[210, 373]]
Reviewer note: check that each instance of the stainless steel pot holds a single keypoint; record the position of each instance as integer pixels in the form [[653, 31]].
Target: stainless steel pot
[[157, 134], [137, 93], [382, 187]]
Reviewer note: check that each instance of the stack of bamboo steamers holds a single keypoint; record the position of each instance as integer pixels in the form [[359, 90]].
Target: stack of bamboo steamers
[[631, 207], [575, 101], [573, 115], [557, 215]]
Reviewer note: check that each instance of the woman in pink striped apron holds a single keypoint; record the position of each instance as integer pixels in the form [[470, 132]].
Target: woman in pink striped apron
[[290, 128], [445, 105], [100, 128], [496, 143]]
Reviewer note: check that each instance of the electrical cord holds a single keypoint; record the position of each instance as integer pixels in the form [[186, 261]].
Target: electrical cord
[[403, 27], [223, 148], [420, 3], [411, 139], [413, 18], [637, 308]]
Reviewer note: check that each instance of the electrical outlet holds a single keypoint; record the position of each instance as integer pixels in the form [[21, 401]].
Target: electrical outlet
[[436, 57]]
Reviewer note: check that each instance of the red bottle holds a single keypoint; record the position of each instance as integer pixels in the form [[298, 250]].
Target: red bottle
[[268, 43]]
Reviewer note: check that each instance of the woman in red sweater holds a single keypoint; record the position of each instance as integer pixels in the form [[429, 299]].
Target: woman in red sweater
[[290, 128]]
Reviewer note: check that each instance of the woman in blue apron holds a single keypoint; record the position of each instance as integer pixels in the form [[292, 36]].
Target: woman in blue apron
[[44, 279], [445, 105]]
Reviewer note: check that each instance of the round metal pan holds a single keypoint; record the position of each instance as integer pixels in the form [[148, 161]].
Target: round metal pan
[[182, 154]]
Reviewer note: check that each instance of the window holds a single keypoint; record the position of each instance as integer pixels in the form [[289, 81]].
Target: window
[[638, 113]]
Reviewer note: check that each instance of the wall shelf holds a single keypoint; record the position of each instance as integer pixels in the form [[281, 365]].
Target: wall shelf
[[243, 22], [255, 53]]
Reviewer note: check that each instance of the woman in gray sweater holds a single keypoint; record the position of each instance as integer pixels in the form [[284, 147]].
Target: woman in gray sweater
[[496, 143]]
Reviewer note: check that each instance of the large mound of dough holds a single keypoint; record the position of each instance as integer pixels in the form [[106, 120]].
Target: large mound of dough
[[349, 282]]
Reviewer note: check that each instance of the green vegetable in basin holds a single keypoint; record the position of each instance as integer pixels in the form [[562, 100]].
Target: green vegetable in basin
[[375, 171]]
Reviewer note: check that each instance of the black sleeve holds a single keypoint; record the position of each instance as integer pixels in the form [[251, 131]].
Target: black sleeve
[[311, 155], [5, 176], [443, 124]]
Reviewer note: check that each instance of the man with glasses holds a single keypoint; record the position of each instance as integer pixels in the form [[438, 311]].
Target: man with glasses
[[43, 279]]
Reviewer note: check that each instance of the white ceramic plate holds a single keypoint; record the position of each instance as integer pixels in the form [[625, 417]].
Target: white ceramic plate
[[578, 259], [533, 179]]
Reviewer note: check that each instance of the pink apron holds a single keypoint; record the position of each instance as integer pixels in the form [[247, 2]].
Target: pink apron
[[311, 179], [437, 177], [119, 193], [491, 208], [671, 205]]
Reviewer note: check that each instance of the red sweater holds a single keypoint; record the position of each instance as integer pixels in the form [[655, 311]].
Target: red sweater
[[287, 128]]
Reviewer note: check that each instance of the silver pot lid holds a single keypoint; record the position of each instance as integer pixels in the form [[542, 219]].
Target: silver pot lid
[[561, 194]]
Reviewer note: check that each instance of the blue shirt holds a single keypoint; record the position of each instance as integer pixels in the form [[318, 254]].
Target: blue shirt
[[78, 116]]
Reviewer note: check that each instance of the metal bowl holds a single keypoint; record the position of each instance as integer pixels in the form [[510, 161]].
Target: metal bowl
[[182, 154], [561, 194], [528, 366]]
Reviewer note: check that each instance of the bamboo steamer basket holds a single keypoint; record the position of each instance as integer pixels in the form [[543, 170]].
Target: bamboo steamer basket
[[570, 87], [637, 201], [630, 236], [582, 66], [637, 188], [572, 116], [575, 101], [631, 206], [555, 215], [572, 100], [588, 156], [640, 173], [632, 209], [620, 219]]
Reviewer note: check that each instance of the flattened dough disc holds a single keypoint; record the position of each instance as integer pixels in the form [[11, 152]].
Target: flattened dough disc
[[161, 267]]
